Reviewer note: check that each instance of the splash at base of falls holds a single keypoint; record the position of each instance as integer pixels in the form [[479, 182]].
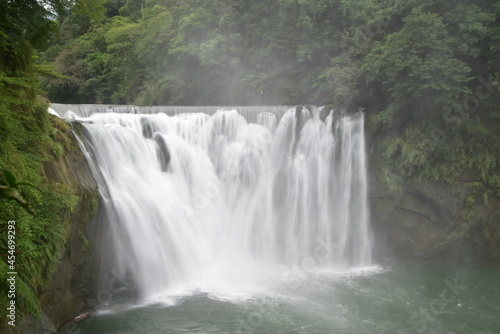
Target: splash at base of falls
[[217, 203]]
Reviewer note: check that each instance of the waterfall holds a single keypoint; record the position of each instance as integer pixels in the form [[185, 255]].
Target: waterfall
[[221, 196]]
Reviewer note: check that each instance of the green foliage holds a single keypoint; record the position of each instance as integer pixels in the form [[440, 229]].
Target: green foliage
[[9, 189], [407, 62], [412, 67], [39, 239], [26, 144], [468, 155], [342, 81], [285, 52], [471, 25], [193, 52], [40, 209], [93, 9]]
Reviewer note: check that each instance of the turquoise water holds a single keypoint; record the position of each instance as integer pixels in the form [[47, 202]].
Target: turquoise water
[[400, 298]]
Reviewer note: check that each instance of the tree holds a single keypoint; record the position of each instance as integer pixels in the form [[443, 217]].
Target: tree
[[421, 74]]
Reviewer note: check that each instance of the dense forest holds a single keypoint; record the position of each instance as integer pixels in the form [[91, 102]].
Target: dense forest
[[276, 52], [426, 72]]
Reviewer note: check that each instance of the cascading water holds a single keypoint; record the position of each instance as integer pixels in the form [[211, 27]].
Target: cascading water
[[203, 201]]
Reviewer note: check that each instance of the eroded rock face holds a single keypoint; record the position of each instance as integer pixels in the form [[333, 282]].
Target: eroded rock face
[[66, 295], [432, 221], [38, 326]]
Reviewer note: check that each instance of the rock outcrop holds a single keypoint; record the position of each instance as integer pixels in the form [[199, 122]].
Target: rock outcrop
[[434, 221], [72, 282]]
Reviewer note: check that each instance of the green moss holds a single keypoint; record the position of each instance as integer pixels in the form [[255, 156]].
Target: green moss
[[471, 200], [89, 205]]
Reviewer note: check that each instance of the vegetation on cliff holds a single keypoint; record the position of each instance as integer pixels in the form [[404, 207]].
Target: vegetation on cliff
[[28, 139]]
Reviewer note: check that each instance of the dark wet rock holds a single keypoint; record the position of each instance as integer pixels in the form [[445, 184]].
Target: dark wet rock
[[162, 152], [432, 221]]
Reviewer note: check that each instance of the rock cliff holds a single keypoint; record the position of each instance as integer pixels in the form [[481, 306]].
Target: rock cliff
[[73, 281]]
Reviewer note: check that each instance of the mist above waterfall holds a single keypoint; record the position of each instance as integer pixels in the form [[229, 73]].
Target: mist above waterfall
[[216, 201]]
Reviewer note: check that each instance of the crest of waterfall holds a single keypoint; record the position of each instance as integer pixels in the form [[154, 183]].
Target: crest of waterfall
[[222, 196]]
